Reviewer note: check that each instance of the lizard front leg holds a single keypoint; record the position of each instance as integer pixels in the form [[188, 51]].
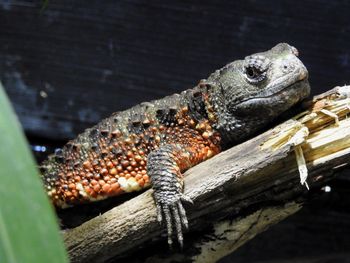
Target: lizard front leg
[[165, 166]]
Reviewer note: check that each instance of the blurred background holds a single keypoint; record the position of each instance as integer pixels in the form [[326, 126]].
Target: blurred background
[[67, 64]]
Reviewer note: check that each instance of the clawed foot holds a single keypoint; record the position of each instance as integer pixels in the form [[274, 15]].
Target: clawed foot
[[167, 183], [174, 214]]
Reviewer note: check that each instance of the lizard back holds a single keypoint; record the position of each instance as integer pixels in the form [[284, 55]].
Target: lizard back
[[110, 158]]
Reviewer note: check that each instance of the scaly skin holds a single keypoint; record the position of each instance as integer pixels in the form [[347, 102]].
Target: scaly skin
[[154, 143]]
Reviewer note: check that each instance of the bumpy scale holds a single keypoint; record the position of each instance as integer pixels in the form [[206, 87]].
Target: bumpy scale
[[153, 143]]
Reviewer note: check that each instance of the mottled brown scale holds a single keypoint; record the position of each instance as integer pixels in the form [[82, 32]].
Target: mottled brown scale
[[114, 155]]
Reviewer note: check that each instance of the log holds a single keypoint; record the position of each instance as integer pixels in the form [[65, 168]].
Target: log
[[237, 194]]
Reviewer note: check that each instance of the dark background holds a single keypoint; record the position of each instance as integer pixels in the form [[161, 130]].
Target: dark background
[[69, 64]]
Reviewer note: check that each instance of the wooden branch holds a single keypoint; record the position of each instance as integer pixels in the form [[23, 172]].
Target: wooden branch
[[237, 194]]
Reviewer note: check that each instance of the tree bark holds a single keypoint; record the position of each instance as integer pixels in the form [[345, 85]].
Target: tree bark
[[237, 194]]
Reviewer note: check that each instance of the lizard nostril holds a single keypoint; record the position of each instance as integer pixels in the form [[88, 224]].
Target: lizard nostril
[[286, 66]]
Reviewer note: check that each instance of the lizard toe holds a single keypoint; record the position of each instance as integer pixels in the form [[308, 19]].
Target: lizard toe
[[174, 215]]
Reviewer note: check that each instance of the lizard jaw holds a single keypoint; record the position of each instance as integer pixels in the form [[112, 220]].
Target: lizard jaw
[[280, 100]]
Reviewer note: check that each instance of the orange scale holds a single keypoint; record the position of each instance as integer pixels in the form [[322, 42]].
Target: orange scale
[[77, 178], [101, 182], [106, 178], [110, 192], [138, 158], [115, 187], [85, 182], [113, 180], [106, 188], [96, 188], [210, 154], [125, 163], [116, 192], [93, 193], [127, 176], [138, 176], [145, 177], [113, 171], [68, 194], [88, 190], [75, 193], [110, 164], [141, 182], [93, 182]]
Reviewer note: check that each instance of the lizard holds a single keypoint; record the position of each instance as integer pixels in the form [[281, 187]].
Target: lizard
[[153, 143]]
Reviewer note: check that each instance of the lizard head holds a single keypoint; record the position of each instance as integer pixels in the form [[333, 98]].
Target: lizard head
[[247, 94]]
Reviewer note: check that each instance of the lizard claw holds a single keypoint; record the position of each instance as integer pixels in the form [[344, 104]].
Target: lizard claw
[[173, 214], [186, 199]]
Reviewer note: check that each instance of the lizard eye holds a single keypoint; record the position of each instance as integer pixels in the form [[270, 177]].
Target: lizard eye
[[255, 68]]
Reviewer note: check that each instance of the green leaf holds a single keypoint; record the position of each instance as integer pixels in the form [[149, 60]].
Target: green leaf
[[28, 228]]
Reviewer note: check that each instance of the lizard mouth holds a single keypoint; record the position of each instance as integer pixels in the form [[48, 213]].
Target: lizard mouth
[[281, 84], [276, 98]]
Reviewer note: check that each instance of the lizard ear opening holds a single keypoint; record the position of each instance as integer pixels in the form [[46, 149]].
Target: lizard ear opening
[[255, 68]]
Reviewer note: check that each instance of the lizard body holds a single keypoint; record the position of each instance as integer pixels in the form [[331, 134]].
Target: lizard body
[[153, 143]]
